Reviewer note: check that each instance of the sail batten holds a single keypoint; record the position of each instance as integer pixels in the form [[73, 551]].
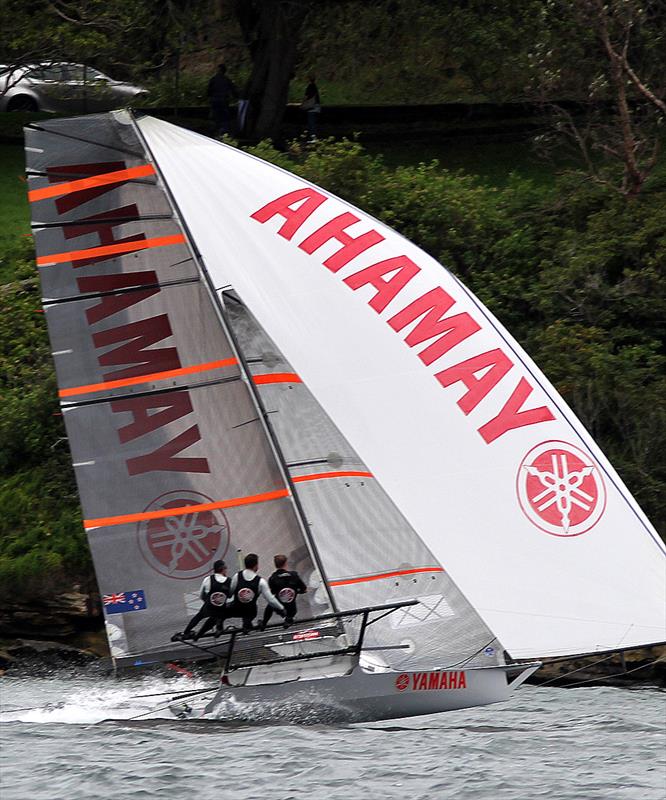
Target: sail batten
[[367, 550], [343, 399], [170, 475], [262, 416], [459, 427]]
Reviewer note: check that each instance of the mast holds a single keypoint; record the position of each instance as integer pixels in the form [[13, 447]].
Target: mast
[[262, 414], [449, 415]]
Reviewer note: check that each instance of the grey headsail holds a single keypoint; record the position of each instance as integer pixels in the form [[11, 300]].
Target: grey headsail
[[369, 552], [172, 461]]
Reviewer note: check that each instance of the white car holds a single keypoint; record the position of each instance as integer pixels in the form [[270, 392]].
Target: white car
[[71, 88]]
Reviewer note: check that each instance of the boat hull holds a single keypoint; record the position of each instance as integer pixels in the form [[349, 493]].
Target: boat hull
[[359, 696]]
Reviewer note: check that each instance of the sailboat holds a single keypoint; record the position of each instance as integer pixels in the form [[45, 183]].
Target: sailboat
[[247, 363]]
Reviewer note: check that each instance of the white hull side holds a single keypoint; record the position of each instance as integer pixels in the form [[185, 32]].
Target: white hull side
[[360, 696]]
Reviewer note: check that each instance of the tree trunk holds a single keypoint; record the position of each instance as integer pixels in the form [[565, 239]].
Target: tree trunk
[[271, 29], [633, 176]]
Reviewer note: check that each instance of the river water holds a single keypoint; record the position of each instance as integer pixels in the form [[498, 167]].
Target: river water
[[569, 744]]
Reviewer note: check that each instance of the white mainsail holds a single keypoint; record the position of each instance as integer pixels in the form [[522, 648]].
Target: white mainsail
[[456, 422]]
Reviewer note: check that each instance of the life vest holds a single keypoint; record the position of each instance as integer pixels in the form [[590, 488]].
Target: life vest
[[247, 593], [286, 585], [218, 592]]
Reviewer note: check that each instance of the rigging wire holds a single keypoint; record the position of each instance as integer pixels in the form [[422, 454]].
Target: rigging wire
[[51, 132], [168, 705], [578, 669], [185, 694], [469, 658], [616, 674]]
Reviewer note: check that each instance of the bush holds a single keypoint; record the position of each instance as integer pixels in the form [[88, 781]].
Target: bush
[[41, 536]]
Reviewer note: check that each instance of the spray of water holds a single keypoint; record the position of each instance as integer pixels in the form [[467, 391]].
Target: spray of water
[[85, 701]]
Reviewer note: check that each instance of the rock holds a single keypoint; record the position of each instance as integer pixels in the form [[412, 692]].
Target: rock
[[43, 658], [57, 616], [642, 666], [51, 632], [5, 660]]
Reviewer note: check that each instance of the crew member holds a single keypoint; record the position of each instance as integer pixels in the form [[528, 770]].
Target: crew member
[[214, 592], [285, 585], [246, 588]]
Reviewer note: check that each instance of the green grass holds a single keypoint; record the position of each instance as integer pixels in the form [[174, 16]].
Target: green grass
[[14, 211], [492, 161]]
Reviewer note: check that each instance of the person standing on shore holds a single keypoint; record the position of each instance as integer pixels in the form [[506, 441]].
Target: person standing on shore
[[311, 104], [221, 92]]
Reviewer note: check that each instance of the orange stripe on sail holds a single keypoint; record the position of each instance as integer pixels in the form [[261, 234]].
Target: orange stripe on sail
[[318, 476], [110, 249], [383, 575], [277, 377], [153, 376], [104, 522], [104, 179]]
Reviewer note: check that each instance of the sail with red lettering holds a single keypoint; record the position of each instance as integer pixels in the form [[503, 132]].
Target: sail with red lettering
[[451, 418], [173, 464], [172, 461]]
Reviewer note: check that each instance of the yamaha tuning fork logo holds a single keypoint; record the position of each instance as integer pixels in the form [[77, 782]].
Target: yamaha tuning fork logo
[[402, 682], [560, 489], [184, 545]]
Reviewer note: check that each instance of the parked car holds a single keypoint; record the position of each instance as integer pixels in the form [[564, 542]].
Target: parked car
[[63, 87]]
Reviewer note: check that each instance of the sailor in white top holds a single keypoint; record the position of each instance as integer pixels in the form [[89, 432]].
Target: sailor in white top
[[214, 592], [245, 589]]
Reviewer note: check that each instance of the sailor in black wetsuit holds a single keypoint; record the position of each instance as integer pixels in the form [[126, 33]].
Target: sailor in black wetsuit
[[285, 585], [214, 592], [246, 588]]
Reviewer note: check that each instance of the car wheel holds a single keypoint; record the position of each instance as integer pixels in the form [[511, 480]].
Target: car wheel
[[22, 102]]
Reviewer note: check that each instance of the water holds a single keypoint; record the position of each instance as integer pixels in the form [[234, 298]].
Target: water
[[574, 744]]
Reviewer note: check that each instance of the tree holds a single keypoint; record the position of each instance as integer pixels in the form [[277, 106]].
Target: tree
[[611, 58], [598, 67], [131, 35], [271, 30]]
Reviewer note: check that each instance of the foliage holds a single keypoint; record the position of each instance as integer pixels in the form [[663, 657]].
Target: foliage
[[40, 529], [129, 38], [14, 231], [387, 51], [619, 49]]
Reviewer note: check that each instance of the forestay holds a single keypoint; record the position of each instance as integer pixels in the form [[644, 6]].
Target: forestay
[[454, 421]]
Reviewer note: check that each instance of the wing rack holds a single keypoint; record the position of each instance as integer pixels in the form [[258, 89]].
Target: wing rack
[[324, 636]]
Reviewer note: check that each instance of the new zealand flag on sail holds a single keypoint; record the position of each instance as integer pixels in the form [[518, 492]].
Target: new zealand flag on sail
[[134, 600]]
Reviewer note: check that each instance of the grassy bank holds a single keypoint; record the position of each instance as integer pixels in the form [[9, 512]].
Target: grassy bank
[[14, 212]]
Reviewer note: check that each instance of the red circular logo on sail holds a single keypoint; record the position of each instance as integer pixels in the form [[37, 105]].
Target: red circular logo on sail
[[560, 489], [184, 545], [402, 682]]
